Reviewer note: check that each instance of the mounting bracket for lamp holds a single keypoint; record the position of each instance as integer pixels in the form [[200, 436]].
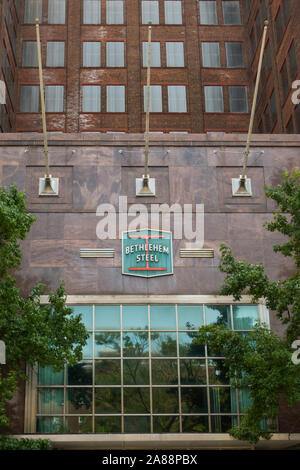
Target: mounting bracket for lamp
[[241, 187], [48, 186], [145, 186]]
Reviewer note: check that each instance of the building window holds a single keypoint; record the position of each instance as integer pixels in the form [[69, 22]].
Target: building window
[[115, 98], [234, 54], [146, 376], [33, 9], [150, 11], [177, 99], [91, 98], [155, 100], [115, 54], [210, 54], [173, 12], [231, 12], [175, 54], [154, 54], [214, 99], [91, 54], [29, 54], [55, 54], [91, 11], [208, 12], [30, 99], [114, 12], [54, 98], [56, 11], [238, 100]]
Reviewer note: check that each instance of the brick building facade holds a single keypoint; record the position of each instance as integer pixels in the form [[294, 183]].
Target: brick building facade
[[205, 58]]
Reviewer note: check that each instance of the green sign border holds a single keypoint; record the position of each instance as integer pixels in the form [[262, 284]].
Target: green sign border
[[157, 272]]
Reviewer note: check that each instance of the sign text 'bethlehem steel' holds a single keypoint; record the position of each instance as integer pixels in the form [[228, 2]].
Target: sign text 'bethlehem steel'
[[147, 253]]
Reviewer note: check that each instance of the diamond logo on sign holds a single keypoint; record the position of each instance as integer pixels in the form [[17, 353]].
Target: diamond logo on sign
[[147, 253]]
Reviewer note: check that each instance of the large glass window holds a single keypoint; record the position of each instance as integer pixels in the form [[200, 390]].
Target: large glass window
[[208, 12], [214, 99], [114, 12], [91, 54], [54, 98], [177, 99], [91, 98], [231, 12], [55, 54], [91, 11], [234, 54], [238, 101], [155, 99], [115, 98], [173, 12], [154, 54], [56, 11], [29, 54], [30, 98], [175, 54], [143, 372], [33, 9], [115, 54], [211, 54], [150, 11]]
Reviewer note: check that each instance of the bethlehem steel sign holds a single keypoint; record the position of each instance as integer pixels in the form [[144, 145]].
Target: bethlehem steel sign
[[147, 253]]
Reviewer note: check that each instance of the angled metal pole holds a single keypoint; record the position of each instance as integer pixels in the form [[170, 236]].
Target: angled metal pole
[[146, 191], [48, 190], [242, 189]]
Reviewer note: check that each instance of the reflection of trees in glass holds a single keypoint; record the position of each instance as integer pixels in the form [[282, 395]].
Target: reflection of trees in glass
[[194, 424], [80, 399], [137, 400], [166, 424], [108, 372], [194, 400], [79, 424], [164, 372], [135, 344], [108, 400], [107, 424], [192, 372], [217, 372], [188, 346], [220, 314], [165, 400], [80, 374], [136, 372], [109, 344], [163, 344]]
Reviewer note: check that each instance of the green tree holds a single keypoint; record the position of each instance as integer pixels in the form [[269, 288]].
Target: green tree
[[261, 361], [33, 333]]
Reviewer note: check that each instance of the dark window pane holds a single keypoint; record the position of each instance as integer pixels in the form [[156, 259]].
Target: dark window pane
[[194, 424], [208, 12], [222, 400], [80, 374], [194, 400], [163, 344], [218, 315], [108, 400], [107, 344], [162, 317], [137, 400], [136, 372], [79, 400], [135, 344], [234, 54], [165, 424], [217, 372], [211, 54], [231, 12], [108, 372], [238, 100], [164, 372], [107, 424], [188, 346], [192, 372], [137, 424], [135, 317], [190, 317], [222, 423], [165, 400], [107, 317], [79, 424]]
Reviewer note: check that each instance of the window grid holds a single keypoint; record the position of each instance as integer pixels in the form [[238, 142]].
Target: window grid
[[182, 387]]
